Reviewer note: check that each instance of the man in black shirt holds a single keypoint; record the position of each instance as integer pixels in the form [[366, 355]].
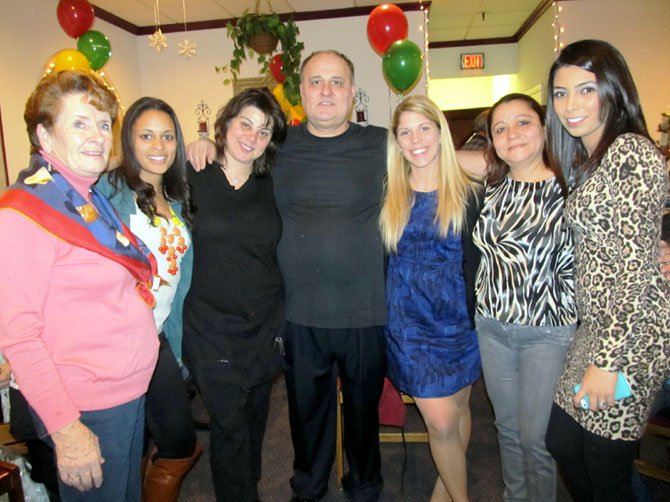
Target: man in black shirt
[[328, 188]]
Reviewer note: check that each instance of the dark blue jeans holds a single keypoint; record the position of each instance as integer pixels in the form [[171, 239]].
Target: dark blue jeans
[[120, 432]]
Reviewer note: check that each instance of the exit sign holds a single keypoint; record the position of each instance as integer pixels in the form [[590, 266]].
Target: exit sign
[[472, 61]]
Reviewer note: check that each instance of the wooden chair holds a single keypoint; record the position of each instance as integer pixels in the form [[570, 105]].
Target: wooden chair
[[10, 441], [10, 474], [401, 436], [658, 426], [10, 482]]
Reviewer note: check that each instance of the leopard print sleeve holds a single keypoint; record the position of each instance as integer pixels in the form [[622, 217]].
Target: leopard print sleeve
[[636, 179]]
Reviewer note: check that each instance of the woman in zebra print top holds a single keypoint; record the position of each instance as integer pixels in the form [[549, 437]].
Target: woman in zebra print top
[[526, 313]]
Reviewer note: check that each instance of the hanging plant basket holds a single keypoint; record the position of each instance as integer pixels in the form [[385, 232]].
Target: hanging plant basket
[[263, 43], [256, 36]]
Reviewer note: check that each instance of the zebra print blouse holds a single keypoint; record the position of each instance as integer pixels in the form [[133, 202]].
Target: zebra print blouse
[[526, 270]]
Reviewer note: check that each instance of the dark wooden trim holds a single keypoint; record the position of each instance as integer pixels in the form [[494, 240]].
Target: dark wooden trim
[[466, 43], [221, 23], [533, 18], [179, 27], [116, 20], [328, 14]]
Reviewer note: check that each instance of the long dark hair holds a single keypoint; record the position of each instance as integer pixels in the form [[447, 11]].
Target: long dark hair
[[620, 109], [174, 180], [497, 168], [261, 98]]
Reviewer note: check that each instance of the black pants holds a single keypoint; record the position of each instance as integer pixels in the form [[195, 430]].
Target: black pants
[[593, 468], [238, 417], [315, 357], [167, 408]]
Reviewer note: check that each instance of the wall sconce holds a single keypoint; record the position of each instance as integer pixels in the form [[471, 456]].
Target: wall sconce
[[202, 113], [361, 106]]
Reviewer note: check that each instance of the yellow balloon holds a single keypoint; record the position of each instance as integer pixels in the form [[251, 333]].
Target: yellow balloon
[[68, 59], [297, 113], [278, 93]]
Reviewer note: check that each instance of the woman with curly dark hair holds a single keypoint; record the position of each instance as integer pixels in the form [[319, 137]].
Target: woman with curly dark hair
[[234, 312]]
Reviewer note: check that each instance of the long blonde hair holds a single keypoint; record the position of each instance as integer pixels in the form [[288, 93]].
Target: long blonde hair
[[454, 184]]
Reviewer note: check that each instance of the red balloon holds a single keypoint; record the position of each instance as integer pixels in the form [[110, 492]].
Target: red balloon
[[386, 24], [75, 16], [276, 67]]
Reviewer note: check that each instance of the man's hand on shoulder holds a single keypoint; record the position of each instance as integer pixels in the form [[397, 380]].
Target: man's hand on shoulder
[[200, 153]]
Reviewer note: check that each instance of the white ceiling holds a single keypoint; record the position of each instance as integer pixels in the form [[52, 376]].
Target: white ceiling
[[449, 20]]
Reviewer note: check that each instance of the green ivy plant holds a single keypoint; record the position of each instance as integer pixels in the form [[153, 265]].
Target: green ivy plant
[[254, 23]]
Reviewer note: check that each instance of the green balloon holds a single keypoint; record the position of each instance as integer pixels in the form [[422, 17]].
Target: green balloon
[[402, 64], [96, 47]]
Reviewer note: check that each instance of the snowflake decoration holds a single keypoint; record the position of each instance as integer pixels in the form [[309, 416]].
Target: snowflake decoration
[[187, 48], [158, 41]]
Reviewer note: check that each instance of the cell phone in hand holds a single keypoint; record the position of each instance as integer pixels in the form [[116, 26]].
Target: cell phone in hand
[[621, 391]]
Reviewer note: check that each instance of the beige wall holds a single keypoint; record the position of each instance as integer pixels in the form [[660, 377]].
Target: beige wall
[[536, 53], [640, 29], [29, 36]]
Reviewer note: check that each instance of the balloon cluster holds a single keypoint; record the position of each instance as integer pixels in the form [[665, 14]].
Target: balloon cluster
[[402, 59], [93, 47], [295, 113]]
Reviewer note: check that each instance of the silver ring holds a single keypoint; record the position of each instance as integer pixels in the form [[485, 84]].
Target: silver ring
[[602, 405]]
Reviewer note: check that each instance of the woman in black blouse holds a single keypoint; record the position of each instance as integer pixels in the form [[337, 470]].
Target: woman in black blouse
[[233, 314]]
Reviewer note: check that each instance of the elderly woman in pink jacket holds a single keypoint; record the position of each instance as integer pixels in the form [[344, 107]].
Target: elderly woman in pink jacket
[[76, 317]]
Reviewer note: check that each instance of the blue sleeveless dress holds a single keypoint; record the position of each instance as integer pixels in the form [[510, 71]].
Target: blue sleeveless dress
[[432, 349]]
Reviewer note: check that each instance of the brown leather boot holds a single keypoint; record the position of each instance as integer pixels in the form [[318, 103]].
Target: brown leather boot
[[162, 481]]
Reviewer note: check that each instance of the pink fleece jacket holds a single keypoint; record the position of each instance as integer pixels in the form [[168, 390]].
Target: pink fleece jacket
[[77, 334]]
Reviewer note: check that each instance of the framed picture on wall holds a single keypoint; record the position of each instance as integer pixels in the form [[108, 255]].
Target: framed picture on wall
[[4, 173], [241, 84]]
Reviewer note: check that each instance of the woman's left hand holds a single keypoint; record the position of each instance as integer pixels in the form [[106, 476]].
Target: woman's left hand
[[78, 456], [599, 385]]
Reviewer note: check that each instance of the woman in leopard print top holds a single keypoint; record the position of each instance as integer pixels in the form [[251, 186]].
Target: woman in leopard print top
[[597, 133]]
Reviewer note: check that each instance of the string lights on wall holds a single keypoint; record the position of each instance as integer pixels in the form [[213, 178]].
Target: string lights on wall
[[558, 29], [424, 28]]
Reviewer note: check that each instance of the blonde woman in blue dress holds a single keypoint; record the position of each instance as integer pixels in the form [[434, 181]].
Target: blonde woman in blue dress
[[429, 210]]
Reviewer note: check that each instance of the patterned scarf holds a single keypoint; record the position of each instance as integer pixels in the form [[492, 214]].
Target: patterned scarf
[[42, 194]]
